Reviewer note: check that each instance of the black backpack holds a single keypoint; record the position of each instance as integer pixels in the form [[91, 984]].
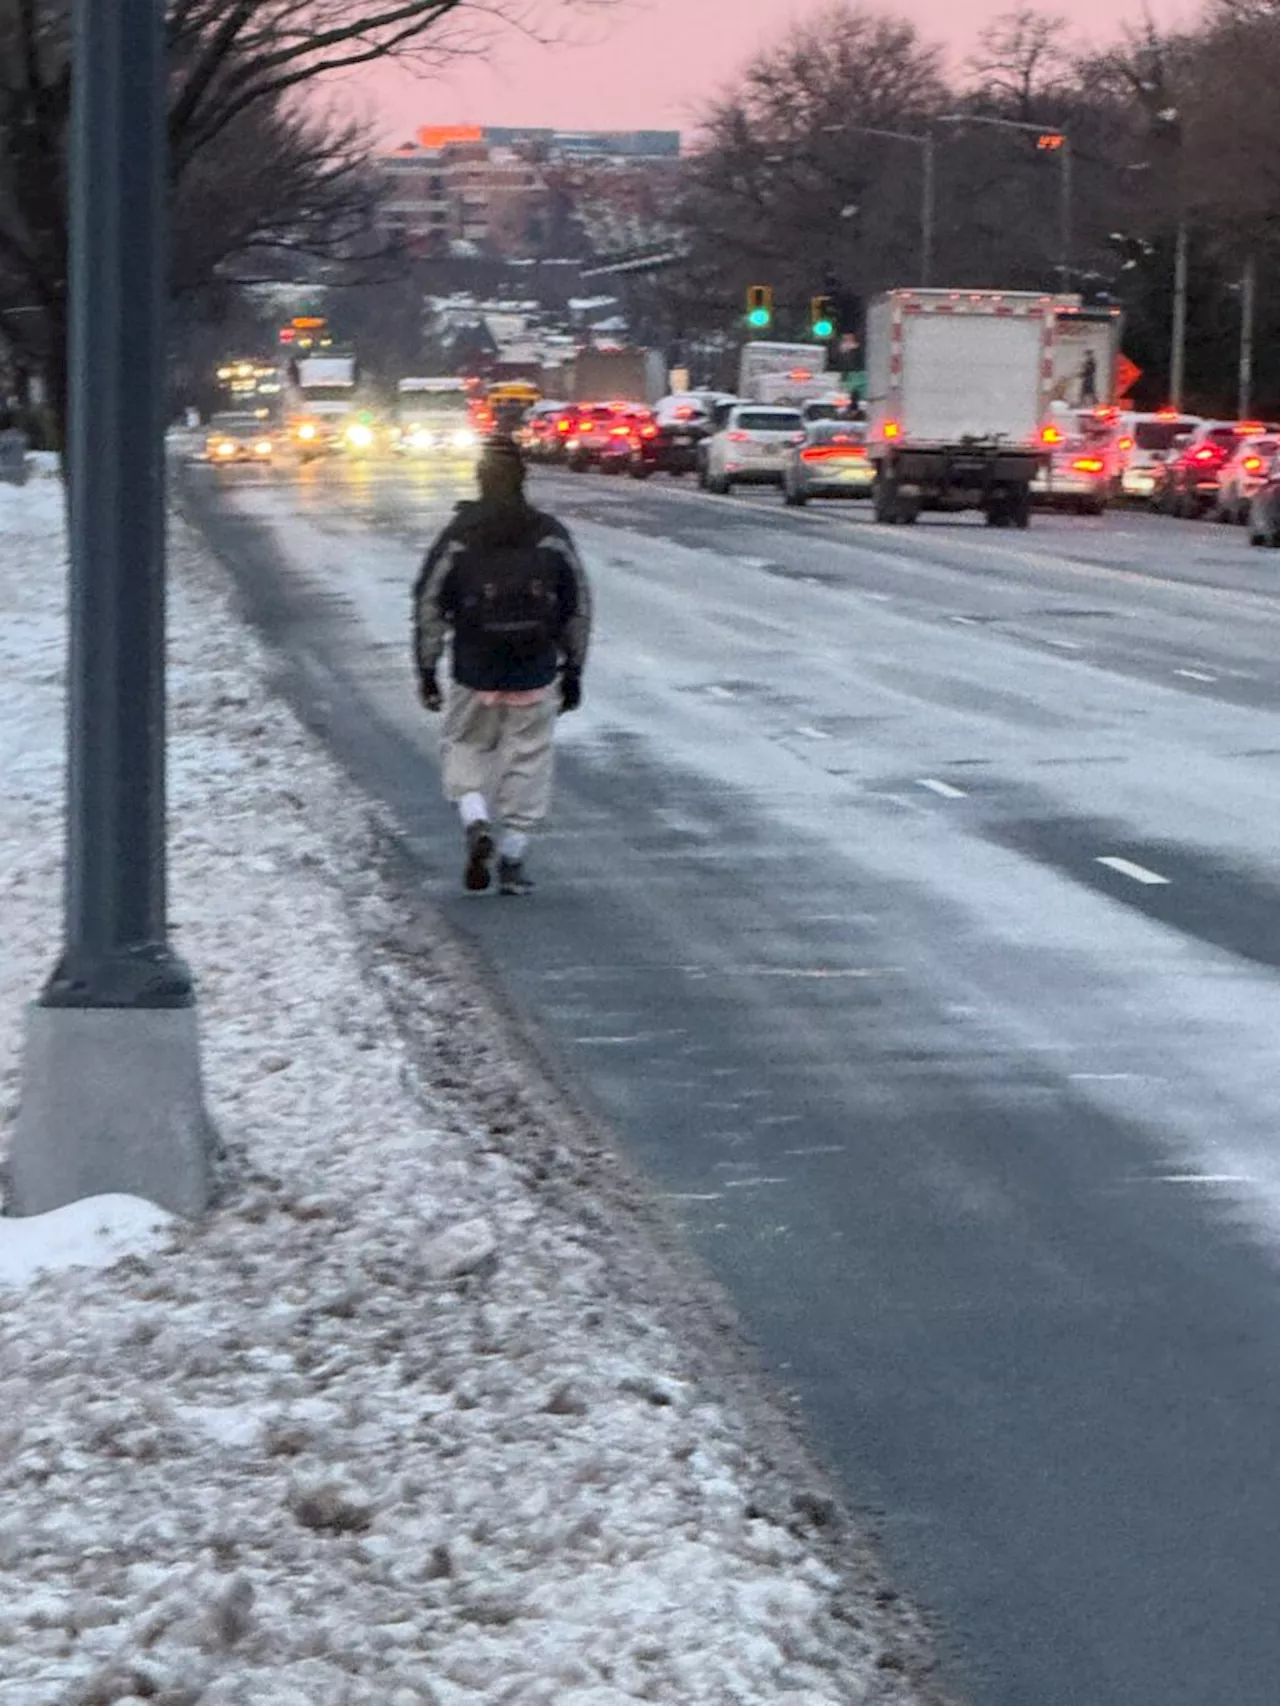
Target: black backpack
[[507, 599]]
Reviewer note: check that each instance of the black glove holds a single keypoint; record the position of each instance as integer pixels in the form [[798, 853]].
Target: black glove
[[429, 692], [570, 689]]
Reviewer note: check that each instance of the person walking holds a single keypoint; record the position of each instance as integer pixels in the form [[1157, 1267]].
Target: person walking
[[505, 580]]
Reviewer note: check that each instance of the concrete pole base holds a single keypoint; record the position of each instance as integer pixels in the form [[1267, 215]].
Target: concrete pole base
[[111, 1102]]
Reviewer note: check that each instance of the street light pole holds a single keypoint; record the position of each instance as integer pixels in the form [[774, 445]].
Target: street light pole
[[1061, 144], [1178, 350], [1248, 294], [111, 1098], [927, 195]]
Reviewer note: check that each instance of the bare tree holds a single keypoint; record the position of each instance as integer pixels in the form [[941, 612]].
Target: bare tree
[[1022, 60], [233, 63], [786, 187]]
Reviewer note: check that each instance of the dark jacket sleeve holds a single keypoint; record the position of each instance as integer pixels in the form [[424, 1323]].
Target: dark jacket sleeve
[[575, 593], [432, 603]]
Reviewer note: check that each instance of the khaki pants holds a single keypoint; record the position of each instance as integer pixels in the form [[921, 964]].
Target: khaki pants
[[504, 752]]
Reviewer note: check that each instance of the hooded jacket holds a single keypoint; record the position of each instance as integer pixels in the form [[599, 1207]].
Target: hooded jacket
[[484, 525]]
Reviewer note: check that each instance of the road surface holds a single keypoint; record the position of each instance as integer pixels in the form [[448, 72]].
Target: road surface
[[911, 910]]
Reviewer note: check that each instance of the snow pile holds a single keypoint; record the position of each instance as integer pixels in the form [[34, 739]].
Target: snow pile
[[95, 1233], [382, 1431]]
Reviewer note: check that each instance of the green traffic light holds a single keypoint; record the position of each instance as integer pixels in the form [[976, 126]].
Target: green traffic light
[[758, 317], [823, 328]]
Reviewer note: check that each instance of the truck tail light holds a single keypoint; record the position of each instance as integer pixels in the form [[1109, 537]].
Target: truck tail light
[[892, 429], [1087, 465]]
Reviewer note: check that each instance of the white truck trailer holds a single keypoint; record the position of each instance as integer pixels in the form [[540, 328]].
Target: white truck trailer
[[761, 360], [1086, 354], [959, 384]]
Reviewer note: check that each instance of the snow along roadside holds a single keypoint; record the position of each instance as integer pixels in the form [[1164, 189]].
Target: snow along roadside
[[384, 1430]]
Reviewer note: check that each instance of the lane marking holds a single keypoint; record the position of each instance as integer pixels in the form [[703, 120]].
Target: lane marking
[[967, 621], [1195, 675], [1064, 645], [1203, 1179], [811, 732], [943, 788], [720, 692], [1127, 868]]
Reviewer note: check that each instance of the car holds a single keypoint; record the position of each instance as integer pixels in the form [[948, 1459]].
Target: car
[[1081, 468], [825, 409], [831, 463], [1243, 474], [719, 408], [1190, 478], [1143, 441], [604, 435], [679, 424], [546, 428], [1264, 509], [235, 438], [753, 446]]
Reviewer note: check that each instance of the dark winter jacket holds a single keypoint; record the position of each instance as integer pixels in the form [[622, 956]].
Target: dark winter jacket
[[442, 597]]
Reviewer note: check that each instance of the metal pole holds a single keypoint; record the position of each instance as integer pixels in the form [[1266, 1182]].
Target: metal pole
[[928, 211], [1065, 213], [1248, 294], [111, 1098], [1178, 352], [116, 953]]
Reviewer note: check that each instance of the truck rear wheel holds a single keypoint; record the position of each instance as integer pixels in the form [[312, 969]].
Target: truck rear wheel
[[1020, 508], [908, 511], [885, 498]]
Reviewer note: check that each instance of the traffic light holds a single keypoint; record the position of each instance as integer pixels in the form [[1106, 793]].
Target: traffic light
[[1050, 141], [822, 317], [760, 306]]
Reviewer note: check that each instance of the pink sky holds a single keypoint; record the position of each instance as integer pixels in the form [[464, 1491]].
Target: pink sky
[[651, 63]]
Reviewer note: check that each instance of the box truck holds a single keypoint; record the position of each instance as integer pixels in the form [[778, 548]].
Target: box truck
[[959, 384]]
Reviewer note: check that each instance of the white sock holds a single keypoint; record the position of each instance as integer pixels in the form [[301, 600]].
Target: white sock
[[513, 845], [473, 808]]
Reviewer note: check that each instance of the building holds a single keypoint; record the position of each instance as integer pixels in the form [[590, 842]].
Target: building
[[467, 189]]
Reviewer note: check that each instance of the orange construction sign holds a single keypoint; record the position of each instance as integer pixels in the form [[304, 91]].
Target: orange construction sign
[[1128, 374]]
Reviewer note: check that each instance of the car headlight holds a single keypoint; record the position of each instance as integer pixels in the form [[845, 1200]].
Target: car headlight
[[464, 439], [360, 436], [306, 430], [263, 447], [226, 448]]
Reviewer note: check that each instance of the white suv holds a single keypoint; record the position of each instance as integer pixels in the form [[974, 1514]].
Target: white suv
[[754, 444]]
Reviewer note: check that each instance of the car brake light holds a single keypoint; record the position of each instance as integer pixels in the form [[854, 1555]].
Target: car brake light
[[828, 452], [1125, 444], [1050, 435], [737, 436], [619, 432], [649, 431], [563, 424], [1206, 453], [1249, 429], [1087, 465], [685, 414], [1251, 464]]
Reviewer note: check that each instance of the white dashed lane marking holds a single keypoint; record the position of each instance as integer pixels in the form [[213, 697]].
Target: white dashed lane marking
[[1127, 868], [1195, 675], [944, 789]]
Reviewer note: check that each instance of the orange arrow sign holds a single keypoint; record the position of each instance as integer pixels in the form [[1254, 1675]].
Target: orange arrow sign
[[1128, 374]]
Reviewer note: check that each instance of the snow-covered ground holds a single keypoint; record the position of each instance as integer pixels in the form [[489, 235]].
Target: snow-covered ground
[[389, 1426]]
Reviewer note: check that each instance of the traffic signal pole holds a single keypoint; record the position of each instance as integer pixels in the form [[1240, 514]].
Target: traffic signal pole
[[111, 1096]]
